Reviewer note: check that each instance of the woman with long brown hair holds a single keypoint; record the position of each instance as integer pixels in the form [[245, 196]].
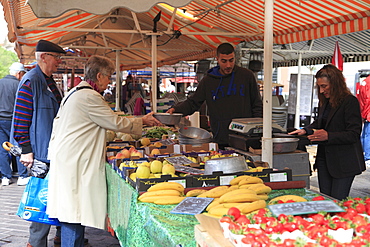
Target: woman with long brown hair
[[337, 132]]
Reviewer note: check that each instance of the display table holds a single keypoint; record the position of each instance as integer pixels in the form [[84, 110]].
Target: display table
[[150, 225], [298, 161], [145, 224]]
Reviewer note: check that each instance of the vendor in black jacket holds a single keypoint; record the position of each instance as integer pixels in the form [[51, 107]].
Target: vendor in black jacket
[[229, 91], [337, 131]]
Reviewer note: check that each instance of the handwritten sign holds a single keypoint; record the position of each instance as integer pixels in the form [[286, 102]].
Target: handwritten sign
[[167, 142], [187, 169], [310, 207], [179, 160], [192, 205]]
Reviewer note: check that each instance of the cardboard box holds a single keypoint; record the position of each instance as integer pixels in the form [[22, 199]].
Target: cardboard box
[[270, 175], [142, 185], [170, 149], [219, 178], [197, 148], [205, 180], [209, 233]]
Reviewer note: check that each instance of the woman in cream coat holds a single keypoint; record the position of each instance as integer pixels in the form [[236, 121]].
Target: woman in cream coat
[[77, 184]]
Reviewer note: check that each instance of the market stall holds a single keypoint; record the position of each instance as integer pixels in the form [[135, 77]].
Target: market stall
[[146, 224]]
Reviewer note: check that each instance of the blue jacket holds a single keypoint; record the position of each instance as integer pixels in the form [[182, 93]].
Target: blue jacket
[[45, 108]]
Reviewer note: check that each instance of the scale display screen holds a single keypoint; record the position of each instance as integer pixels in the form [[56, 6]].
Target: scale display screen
[[250, 125]]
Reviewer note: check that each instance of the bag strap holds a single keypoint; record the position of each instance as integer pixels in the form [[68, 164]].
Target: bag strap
[[77, 89]]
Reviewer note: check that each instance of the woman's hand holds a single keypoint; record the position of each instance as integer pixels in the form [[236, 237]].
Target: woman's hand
[[318, 136], [298, 132], [149, 120]]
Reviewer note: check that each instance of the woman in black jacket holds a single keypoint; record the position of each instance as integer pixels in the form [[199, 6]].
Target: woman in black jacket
[[337, 132]]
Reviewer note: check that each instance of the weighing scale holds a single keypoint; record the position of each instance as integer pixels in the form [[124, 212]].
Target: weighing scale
[[248, 132]]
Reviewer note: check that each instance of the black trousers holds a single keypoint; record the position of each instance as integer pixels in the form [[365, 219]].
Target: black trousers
[[337, 188]]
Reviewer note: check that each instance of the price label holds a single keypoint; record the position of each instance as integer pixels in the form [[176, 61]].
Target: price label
[[311, 207], [192, 205], [187, 169], [167, 142], [179, 160]]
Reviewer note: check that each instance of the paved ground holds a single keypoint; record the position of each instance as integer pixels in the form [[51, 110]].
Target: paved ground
[[14, 231]]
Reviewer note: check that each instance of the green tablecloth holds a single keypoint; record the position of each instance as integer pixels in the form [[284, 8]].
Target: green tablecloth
[[145, 224]]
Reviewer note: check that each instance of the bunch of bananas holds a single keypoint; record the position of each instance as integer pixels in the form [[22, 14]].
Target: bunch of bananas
[[247, 193], [287, 198], [164, 193]]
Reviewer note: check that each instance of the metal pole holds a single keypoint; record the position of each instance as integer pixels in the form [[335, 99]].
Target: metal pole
[[118, 82], [298, 103], [175, 79], [154, 73], [267, 155]]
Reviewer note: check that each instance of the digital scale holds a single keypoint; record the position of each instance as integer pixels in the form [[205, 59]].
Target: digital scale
[[248, 132], [252, 126]]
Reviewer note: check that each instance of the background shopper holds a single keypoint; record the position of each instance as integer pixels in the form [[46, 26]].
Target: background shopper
[[36, 105], [364, 99], [8, 90]]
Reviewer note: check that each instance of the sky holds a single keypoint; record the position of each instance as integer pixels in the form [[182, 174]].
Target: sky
[[3, 27]]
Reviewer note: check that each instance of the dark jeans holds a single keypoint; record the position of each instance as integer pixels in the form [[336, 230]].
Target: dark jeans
[[72, 234], [5, 157], [337, 188], [39, 234], [5, 169]]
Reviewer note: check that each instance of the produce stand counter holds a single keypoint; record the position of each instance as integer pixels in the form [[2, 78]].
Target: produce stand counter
[[147, 224]]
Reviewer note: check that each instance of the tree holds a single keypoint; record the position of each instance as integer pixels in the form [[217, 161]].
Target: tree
[[6, 59]]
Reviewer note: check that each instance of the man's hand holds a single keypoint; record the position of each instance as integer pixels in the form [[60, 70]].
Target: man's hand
[[171, 110], [27, 159]]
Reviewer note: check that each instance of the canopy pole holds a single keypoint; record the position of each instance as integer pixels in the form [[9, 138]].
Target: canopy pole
[[118, 82], [154, 73], [298, 103], [267, 155], [175, 68]]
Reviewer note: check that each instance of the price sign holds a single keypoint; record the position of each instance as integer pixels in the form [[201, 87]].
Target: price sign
[[192, 205], [167, 142], [298, 208], [179, 160], [187, 169]]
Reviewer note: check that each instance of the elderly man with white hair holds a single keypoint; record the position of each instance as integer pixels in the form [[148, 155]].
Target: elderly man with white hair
[[37, 103], [8, 90]]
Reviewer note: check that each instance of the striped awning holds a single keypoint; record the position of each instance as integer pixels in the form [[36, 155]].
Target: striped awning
[[190, 32]]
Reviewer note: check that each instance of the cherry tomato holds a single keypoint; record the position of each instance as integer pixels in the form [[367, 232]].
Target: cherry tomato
[[235, 212], [348, 203], [243, 220], [318, 198], [360, 208], [289, 242], [226, 219]]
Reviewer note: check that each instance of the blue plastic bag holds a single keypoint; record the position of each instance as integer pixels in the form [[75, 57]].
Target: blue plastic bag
[[33, 203]]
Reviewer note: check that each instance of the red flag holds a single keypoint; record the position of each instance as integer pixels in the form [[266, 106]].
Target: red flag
[[337, 58]]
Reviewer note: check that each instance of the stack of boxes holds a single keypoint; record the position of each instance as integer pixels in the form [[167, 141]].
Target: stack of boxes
[[162, 105]]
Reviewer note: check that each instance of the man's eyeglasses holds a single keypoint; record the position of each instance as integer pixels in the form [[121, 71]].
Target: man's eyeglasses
[[57, 57]]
